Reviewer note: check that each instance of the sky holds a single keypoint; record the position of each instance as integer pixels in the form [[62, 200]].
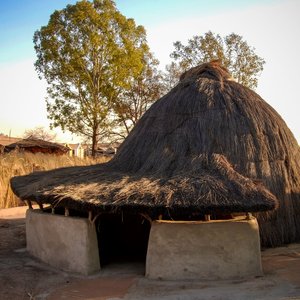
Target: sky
[[272, 27]]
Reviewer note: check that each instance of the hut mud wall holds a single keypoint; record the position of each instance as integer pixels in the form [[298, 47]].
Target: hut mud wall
[[215, 250], [67, 243]]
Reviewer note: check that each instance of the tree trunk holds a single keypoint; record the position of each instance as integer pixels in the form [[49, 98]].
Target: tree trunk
[[94, 143]]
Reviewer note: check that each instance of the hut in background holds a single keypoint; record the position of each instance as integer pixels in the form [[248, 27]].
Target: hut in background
[[34, 145]]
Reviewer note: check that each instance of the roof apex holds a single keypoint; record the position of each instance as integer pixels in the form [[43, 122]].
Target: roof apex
[[212, 70]]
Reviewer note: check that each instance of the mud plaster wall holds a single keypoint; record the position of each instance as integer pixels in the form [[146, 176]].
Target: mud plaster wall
[[68, 243], [228, 249]]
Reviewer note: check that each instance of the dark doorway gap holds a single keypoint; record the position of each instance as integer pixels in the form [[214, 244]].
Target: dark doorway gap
[[122, 238]]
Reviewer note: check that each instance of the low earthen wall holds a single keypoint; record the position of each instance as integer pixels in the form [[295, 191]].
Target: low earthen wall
[[227, 249], [68, 243]]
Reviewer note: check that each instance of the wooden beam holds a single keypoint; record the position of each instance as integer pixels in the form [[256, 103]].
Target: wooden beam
[[207, 218], [248, 216], [145, 216], [41, 206], [29, 204], [67, 212], [90, 216]]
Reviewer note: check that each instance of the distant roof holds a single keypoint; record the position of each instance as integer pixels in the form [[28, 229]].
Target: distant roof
[[73, 146], [37, 143]]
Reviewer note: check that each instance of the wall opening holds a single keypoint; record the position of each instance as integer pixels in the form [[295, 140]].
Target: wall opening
[[122, 238]]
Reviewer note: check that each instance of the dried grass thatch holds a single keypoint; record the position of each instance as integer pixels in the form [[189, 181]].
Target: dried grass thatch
[[207, 112], [176, 158], [206, 184], [37, 145]]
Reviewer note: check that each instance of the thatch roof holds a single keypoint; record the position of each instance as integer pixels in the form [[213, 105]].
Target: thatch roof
[[37, 145], [204, 185], [207, 112], [206, 117]]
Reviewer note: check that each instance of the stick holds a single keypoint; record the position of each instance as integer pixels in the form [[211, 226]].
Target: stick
[[28, 202], [67, 212], [147, 218], [207, 218]]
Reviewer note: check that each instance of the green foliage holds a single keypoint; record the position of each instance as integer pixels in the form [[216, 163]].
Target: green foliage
[[87, 53], [233, 52], [143, 89]]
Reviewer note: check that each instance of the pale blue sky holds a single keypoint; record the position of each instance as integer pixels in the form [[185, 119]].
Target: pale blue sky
[[18, 21], [20, 18], [271, 26]]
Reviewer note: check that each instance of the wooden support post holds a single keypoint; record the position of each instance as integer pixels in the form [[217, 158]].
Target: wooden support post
[[90, 216], [207, 218], [41, 206], [67, 212], [95, 218], [248, 216], [28, 202], [146, 217], [52, 210]]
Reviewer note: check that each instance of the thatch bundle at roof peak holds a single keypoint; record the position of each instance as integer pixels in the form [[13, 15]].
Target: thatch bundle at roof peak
[[213, 70], [200, 148]]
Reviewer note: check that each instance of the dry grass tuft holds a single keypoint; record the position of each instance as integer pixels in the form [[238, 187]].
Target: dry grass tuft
[[16, 163]]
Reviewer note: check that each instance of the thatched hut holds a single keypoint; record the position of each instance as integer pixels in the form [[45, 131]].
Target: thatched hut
[[205, 187], [207, 149], [208, 112], [34, 145]]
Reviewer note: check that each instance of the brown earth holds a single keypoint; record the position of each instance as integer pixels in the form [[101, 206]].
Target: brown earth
[[24, 277]]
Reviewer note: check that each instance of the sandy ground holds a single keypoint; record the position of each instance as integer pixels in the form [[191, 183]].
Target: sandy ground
[[24, 277]]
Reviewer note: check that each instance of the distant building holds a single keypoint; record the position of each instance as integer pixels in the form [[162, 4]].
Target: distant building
[[77, 150], [103, 149], [37, 146]]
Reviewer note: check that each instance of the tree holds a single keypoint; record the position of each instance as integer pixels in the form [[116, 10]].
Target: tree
[[86, 53], [40, 133], [172, 75], [232, 51], [143, 89]]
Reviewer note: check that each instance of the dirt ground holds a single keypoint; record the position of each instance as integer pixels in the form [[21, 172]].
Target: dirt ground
[[24, 277]]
